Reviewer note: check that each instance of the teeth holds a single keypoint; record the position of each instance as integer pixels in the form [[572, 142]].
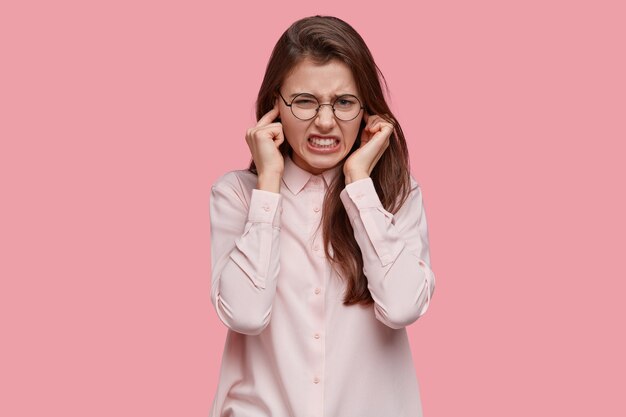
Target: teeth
[[323, 142]]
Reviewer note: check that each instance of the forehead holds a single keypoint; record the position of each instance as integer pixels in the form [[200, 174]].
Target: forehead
[[323, 80]]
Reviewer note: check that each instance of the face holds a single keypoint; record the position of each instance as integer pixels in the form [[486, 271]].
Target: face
[[324, 141]]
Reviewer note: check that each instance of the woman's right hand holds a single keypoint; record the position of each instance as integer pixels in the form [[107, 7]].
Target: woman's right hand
[[263, 141]]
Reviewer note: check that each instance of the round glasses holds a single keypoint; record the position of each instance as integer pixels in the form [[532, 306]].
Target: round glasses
[[305, 106]]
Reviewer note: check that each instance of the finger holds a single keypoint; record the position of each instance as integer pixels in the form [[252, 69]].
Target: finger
[[269, 117], [277, 134], [374, 120], [378, 124], [384, 131], [279, 139], [271, 131], [371, 126]]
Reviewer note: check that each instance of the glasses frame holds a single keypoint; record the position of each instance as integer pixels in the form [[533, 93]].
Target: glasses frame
[[332, 106]]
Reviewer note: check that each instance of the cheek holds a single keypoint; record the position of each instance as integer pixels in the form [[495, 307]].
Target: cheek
[[291, 131], [352, 135]]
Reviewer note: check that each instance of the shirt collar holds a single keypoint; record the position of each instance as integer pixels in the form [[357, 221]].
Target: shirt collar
[[295, 178]]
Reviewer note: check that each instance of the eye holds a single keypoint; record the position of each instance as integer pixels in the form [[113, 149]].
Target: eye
[[345, 102], [305, 102]]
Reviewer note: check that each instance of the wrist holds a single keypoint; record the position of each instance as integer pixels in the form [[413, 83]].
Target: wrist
[[355, 176], [269, 182]]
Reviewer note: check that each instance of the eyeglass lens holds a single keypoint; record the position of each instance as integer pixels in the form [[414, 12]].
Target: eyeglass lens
[[305, 106]]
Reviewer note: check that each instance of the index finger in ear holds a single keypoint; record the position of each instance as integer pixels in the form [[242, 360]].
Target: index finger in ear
[[268, 117]]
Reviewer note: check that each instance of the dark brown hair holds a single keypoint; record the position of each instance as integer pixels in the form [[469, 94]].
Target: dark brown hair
[[321, 39]]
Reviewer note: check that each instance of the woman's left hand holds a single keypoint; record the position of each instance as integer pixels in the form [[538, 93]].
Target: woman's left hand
[[374, 141]]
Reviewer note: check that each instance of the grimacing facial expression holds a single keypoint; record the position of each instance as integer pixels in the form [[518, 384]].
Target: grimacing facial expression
[[324, 141]]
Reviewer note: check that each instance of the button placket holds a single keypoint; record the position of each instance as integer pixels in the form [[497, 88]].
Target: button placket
[[313, 211], [317, 200], [319, 349]]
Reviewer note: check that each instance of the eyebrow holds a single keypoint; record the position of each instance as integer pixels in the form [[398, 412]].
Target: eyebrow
[[311, 94]]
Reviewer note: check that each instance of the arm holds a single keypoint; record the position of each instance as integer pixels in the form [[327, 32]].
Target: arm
[[244, 255], [395, 248]]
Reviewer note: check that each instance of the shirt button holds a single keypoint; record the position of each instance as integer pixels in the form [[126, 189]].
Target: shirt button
[[266, 208], [316, 380], [316, 209], [317, 290], [317, 335]]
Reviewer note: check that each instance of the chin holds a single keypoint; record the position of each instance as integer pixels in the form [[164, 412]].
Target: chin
[[323, 161]]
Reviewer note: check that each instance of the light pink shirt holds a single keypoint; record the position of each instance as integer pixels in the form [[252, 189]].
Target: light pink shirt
[[293, 349]]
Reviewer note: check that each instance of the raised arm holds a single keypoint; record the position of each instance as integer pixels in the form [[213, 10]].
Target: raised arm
[[244, 254], [395, 248]]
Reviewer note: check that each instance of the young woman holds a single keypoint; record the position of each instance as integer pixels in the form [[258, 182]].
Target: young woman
[[320, 254]]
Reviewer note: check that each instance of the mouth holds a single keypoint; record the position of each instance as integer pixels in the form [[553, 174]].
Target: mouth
[[323, 142]]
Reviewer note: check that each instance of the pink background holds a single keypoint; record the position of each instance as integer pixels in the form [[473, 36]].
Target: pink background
[[117, 116]]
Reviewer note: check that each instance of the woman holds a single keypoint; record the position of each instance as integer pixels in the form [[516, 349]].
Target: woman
[[320, 255]]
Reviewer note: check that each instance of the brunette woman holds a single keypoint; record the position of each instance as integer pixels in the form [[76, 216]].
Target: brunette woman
[[320, 254]]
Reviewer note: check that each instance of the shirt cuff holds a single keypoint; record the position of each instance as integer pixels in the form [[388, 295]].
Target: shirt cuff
[[265, 207], [369, 218], [363, 193]]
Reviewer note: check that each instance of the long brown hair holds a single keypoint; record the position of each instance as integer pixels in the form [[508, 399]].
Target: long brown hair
[[321, 39]]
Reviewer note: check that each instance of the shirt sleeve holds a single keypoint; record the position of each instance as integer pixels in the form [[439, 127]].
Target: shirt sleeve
[[244, 256], [395, 249]]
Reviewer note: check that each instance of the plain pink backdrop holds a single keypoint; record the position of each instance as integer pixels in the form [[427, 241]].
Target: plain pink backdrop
[[116, 117]]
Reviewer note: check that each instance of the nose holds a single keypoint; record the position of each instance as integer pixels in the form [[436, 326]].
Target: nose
[[325, 118]]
